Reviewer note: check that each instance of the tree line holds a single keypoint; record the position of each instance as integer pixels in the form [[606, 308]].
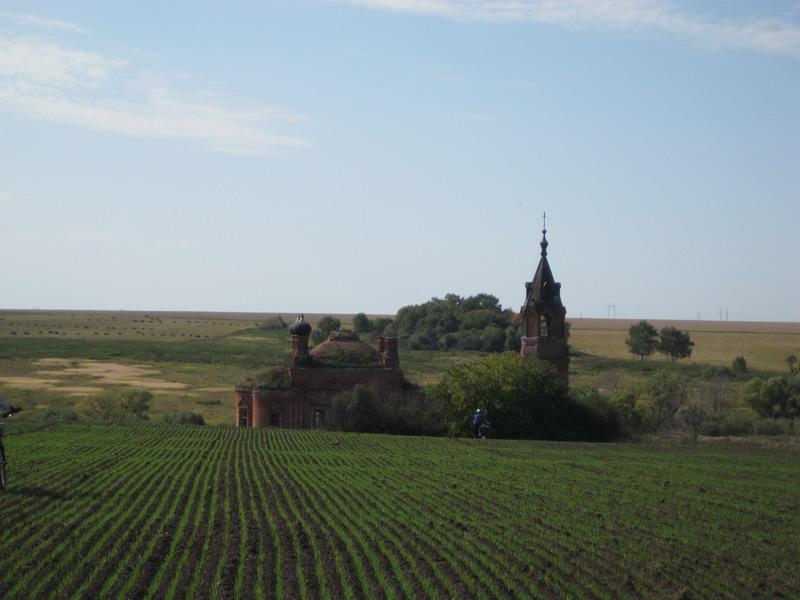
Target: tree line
[[453, 322]]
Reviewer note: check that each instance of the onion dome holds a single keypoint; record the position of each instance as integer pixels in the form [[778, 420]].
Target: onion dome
[[300, 327]]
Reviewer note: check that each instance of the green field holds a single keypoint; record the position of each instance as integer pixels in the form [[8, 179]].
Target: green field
[[219, 512]]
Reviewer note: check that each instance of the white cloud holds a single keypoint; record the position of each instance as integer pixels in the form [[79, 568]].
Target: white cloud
[[41, 22], [45, 80], [35, 60], [773, 35]]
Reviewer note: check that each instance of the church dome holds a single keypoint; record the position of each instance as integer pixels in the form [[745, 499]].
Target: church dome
[[343, 349], [300, 327]]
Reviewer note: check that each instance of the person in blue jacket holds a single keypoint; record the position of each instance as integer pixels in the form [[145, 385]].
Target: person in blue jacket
[[477, 420]]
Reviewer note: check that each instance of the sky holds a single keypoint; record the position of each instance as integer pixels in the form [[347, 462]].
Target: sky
[[343, 156]]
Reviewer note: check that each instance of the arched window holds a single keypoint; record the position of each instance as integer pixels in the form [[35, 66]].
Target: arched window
[[544, 326]]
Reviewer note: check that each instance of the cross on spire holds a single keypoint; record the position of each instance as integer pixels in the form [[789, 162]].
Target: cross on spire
[[543, 243]]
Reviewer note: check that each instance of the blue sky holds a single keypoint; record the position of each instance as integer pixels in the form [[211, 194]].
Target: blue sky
[[330, 156]]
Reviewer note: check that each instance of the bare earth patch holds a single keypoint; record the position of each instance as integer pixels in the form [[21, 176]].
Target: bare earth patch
[[57, 371]]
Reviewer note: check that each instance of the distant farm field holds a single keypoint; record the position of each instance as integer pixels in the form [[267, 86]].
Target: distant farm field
[[192, 361], [98, 511], [764, 345]]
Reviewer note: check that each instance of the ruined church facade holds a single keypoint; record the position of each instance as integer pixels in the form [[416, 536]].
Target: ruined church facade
[[315, 376]]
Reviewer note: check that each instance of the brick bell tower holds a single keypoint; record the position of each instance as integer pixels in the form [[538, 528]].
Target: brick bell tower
[[543, 318]]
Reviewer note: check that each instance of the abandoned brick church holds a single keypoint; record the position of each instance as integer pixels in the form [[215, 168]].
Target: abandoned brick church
[[316, 376], [343, 360]]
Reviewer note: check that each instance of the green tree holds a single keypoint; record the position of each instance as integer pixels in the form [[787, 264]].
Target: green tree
[[664, 394], [791, 360], [642, 339], [101, 405], [628, 411], [452, 314], [361, 323], [108, 405], [715, 389], [326, 325], [675, 343], [382, 325], [493, 339], [134, 402], [481, 319], [776, 397], [356, 410], [739, 364], [513, 337], [522, 398], [693, 416]]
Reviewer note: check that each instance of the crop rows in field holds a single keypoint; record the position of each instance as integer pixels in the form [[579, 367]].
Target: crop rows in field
[[154, 512]]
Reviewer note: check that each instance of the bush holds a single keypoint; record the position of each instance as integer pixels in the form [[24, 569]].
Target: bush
[[361, 323], [422, 341], [467, 340], [355, 410], [326, 325], [776, 397], [522, 398], [273, 323], [365, 410], [606, 421], [493, 339], [182, 418], [773, 427], [727, 424], [59, 415], [630, 415], [274, 378]]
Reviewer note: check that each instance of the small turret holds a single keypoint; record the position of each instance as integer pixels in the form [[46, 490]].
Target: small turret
[[300, 331]]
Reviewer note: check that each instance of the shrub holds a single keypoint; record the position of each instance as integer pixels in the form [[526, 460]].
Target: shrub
[[59, 415], [326, 325], [773, 427], [628, 412], [273, 324], [727, 424], [365, 410], [522, 398], [774, 397], [467, 340], [422, 341], [182, 418], [361, 323], [493, 339], [274, 378]]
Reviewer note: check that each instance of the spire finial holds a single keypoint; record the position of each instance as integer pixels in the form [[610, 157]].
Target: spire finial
[[543, 243]]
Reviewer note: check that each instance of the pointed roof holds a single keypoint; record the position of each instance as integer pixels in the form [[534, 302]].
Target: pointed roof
[[543, 291]]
